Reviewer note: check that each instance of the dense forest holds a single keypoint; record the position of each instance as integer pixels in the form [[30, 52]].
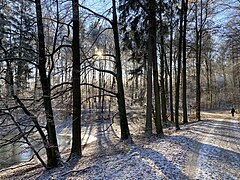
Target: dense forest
[[86, 61]]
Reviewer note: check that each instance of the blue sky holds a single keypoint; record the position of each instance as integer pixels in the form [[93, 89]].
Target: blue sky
[[98, 5]]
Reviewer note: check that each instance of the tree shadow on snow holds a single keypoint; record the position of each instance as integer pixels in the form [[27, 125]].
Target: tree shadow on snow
[[167, 167], [105, 135], [223, 131], [222, 155], [217, 136], [224, 125]]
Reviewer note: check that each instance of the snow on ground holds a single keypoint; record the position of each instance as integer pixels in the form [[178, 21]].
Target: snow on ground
[[218, 156], [207, 149]]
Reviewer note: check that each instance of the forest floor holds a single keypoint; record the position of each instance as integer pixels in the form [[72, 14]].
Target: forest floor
[[208, 149]]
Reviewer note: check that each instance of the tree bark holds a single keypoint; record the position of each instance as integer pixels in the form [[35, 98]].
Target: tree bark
[[153, 56], [179, 71], [198, 64], [163, 94], [53, 154], [76, 151], [170, 66], [184, 74], [149, 108], [125, 134]]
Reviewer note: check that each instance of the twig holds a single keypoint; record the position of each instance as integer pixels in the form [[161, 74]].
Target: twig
[[79, 171], [110, 124], [27, 141]]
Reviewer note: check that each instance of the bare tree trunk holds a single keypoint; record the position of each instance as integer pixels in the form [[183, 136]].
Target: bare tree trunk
[[20, 68], [208, 81], [76, 151], [149, 108], [35, 87], [148, 126], [52, 151], [211, 85], [166, 83], [184, 75], [125, 134], [163, 94], [170, 67], [153, 55], [100, 91], [104, 86], [179, 71], [62, 80], [198, 64]]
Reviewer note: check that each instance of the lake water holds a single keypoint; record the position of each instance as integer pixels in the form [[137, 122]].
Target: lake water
[[16, 153]]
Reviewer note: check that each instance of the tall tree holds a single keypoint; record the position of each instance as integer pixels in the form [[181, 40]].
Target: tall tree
[[76, 118], [162, 58], [52, 151], [148, 126], [170, 63], [125, 134], [134, 18], [198, 59], [17, 36], [152, 56], [179, 68], [184, 70]]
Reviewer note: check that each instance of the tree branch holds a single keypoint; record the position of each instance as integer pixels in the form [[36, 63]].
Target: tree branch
[[88, 84], [96, 14], [19, 59], [26, 139], [102, 70]]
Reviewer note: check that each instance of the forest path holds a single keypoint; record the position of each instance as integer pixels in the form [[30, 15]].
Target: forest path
[[216, 151]]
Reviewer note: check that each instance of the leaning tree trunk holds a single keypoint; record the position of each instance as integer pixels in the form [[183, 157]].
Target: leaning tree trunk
[[125, 134], [28, 113], [53, 154]]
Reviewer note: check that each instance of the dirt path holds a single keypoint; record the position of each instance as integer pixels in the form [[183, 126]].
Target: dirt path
[[216, 152]]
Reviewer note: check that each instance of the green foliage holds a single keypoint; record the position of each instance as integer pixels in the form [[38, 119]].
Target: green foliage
[[18, 37]]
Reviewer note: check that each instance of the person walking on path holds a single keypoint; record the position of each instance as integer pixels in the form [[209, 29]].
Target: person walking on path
[[232, 111]]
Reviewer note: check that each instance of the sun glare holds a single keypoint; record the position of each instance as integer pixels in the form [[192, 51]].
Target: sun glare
[[99, 54]]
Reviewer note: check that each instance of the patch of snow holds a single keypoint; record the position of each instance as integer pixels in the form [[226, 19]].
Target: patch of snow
[[205, 150]]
